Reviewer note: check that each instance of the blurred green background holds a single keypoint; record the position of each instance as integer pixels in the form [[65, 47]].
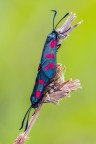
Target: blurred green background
[[24, 26]]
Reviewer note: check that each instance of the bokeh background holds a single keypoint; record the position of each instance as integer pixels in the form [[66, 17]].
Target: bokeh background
[[24, 26]]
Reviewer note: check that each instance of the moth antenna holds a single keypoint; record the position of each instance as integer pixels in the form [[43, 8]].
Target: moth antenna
[[28, 111], [27, 120], [55, 12], [62, 19]]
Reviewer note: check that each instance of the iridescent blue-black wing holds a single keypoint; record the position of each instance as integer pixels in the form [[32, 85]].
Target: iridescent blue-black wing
[[49, 60], [46, 72], [41, 82]]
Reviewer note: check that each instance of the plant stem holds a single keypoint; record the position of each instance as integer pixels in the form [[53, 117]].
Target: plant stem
[[22, 137]]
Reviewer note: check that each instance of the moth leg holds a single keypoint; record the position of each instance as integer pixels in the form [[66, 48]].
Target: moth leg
[[58, 46], [50, 101], [34, 113], [44, 102], [39, 67]]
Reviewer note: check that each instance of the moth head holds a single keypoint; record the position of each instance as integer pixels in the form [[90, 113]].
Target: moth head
[[52, 36]]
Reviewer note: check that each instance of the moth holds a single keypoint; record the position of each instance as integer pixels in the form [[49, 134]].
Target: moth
[[48, 62]]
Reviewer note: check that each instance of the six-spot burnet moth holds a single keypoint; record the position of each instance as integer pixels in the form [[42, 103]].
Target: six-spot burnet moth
[[47, 66]]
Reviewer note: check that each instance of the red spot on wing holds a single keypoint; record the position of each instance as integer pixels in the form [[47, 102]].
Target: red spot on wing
[[51, 65], [38, 94], [48, 56], [52, 56], [42, 82], [53, 43], [46, 68]]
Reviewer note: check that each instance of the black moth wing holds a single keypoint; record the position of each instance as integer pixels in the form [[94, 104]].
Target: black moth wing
[[49, 59], [47, 69]]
